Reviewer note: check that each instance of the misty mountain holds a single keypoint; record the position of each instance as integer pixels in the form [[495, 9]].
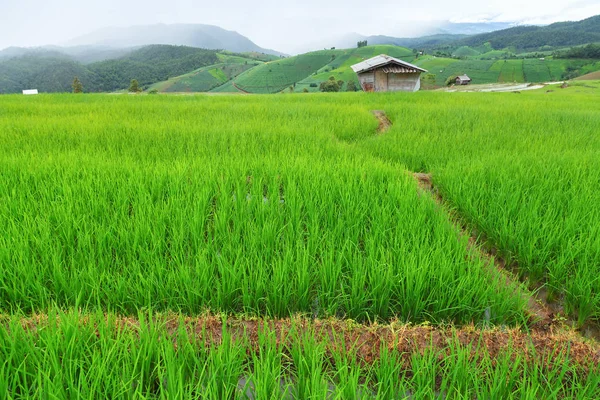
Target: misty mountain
[[193, 35], [534, 37], [50, 71], [437, 33], [469, 28], [418, 42], [82, 54]]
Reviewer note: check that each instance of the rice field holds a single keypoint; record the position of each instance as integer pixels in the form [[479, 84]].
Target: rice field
[[279, 246]]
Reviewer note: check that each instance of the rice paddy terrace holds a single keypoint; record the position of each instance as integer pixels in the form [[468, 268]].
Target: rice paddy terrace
[[296, 246]]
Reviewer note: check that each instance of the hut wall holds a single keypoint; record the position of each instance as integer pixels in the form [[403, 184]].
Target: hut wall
[[367, 81], [378, 81], [381, 81], [404, 82]]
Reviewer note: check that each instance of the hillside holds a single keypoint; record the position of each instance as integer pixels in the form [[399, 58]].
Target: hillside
[[192, 35], [82, 54], [53, 72], [308, 69], [506, 70], [536, 37], [207, 78], [47, 73]]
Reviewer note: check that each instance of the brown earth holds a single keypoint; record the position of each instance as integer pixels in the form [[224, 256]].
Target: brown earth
[[544, 314], [365, 340], [384, 121]]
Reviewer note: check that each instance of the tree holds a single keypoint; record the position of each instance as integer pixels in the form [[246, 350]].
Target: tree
[[361, 43], [351, 86], [134, 87], [77, 86], [331, 85]]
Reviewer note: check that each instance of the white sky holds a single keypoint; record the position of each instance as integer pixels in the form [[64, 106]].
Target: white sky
[[274, 24]]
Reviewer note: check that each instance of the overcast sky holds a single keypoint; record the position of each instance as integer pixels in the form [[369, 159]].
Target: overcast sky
[[277, 24]]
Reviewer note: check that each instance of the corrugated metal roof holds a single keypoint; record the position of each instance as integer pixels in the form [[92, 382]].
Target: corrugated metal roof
[[395, 69], [381, 60], [464, 78]]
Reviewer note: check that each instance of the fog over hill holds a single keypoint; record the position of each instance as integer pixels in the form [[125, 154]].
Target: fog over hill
[[193, 35]]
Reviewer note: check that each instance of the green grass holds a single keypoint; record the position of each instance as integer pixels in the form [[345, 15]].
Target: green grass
[[523, 171], [465, 51], [207, 78], [216, 209], [277, 75], [313, 68], [271, 206], [511, 71], [483, 71], [66, 358], [340, 66]]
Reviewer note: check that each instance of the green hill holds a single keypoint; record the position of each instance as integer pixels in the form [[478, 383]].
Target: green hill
[[559, 34], [465, 51], [277, 75], [505, 71], [340, 67], [207, 78], [47, 73], [54, 73], [308, 69], [151, 64]]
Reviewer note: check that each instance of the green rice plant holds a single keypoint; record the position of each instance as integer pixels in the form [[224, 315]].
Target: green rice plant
[[205, 206], [522, 171]]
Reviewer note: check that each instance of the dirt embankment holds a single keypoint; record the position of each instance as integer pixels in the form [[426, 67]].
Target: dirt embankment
[[544, 315], [366, 340]]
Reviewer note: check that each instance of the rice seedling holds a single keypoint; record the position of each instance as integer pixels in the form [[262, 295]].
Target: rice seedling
[[269, 207]]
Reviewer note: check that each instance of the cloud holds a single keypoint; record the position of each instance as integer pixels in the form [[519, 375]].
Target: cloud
[[269, 23]]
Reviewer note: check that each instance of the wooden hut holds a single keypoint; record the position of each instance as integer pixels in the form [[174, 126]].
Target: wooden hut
[[383, 73], [463, 80]]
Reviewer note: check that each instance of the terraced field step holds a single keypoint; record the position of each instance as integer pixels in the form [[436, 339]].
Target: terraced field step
[[336, 335], [544, 314]]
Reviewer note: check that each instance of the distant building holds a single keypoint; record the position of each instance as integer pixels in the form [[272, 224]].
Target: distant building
[[463, 80], [30, 91], [388, 74]]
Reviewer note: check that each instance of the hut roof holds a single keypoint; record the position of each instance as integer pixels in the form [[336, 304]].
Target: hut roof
[[464, 78], [390, 64]]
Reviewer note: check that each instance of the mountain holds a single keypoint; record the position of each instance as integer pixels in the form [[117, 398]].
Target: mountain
[[418, 42], [45, 71], [469, 28], [50, 71], [192, 35], [534, 37], [437, 33], [82, 54]]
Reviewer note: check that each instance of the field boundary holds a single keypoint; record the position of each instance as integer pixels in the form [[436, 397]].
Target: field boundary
[[338, 335], [384, 122], [545, 315]]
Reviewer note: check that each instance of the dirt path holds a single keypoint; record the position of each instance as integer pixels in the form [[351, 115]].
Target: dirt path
[[239, 88], [384, 121], [367, 339], [544, 315]]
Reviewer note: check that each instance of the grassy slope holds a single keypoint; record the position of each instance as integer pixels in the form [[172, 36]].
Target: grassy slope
[[340, 67], [311, 68], [275, 76], [210, 77], [503, 71]]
